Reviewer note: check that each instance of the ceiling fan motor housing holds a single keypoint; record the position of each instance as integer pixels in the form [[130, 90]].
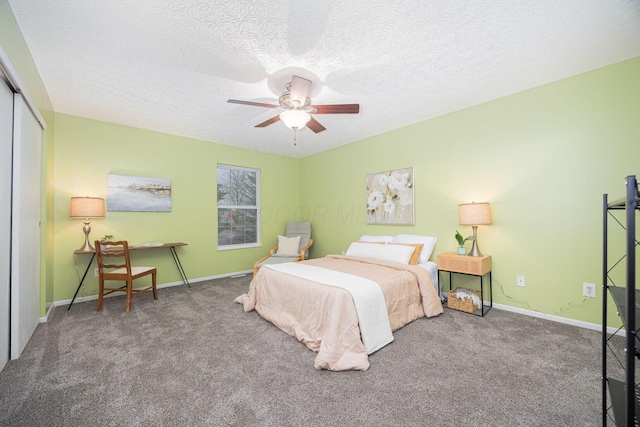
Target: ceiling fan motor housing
[[286, 103]]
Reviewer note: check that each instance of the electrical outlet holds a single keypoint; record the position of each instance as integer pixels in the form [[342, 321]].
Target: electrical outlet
[[520, 280], [589, 290], [95, 272]]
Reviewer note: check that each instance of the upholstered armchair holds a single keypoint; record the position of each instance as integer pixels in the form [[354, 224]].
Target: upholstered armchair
[[292, 247]]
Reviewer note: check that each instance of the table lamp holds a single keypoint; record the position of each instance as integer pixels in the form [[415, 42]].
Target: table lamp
[[85, 208], [474, 214]]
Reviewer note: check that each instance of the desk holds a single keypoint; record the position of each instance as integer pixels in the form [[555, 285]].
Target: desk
[[171, 246]]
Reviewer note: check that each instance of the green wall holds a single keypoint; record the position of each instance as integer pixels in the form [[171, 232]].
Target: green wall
[[87, 151], [542, 158]]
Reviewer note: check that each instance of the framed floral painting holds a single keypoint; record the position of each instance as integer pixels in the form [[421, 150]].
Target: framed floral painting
[[390, 197]]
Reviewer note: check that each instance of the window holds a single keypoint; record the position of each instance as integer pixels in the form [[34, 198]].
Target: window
[[238, 202]]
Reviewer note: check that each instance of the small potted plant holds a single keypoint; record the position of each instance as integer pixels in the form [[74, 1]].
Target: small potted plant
[[106, 238], [461, 249]]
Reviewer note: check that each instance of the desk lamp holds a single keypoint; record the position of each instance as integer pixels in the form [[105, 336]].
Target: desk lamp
[[85, 208], [474, 214]]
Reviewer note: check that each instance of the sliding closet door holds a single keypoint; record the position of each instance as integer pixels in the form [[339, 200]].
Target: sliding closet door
[[25, 230], [6, 130]]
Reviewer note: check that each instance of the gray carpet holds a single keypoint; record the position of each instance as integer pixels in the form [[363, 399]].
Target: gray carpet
[[193, 357]]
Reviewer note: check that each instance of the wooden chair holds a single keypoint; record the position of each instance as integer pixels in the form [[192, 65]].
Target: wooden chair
[[114, 264], [294, 229]]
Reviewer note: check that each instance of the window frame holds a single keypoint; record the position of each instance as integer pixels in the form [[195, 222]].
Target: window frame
[[233, 246]]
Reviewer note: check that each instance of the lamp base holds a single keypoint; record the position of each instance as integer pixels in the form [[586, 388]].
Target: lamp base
[[86, 247], [475, 251]]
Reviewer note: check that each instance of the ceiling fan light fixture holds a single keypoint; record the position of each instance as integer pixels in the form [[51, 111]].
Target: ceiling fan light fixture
[[295, 119]]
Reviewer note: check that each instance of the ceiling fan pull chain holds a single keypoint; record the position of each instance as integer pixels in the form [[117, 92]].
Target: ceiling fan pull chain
[[295, 141]]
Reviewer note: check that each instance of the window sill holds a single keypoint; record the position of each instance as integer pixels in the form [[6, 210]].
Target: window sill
[[239, 246]]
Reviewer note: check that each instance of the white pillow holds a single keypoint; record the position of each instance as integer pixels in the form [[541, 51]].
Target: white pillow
[[394, 253], [428, 243], [288, 245], [376, 239]]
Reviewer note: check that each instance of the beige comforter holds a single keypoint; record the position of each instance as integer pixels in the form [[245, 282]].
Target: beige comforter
[[324, 318]]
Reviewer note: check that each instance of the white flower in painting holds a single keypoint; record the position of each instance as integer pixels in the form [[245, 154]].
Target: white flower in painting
[[398, 180], [389, 205], [405, 198], [375, 200], [382, 180]]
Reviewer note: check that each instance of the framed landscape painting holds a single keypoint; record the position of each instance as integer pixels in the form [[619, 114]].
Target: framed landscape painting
[[390, 197], [138, 194]]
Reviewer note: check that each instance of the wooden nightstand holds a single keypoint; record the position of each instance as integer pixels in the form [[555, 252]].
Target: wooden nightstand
[[479, 266]]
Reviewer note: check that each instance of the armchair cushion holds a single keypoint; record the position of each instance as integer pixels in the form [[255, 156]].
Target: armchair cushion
[[292, 247], [302, 229], [288, 245]]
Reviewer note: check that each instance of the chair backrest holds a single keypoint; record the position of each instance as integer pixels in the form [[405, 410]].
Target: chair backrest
[[112, 255], [302, 229]]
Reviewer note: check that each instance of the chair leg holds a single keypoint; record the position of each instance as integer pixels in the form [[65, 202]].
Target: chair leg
[[153, 284], [129, 294], [100, 293]]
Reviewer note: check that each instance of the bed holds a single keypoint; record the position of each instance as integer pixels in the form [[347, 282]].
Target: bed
[[301, 299]]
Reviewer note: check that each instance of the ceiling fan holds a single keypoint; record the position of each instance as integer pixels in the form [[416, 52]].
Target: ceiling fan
[[297, 109]]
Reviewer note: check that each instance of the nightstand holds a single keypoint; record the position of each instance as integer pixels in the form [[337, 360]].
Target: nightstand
[[479, 266]]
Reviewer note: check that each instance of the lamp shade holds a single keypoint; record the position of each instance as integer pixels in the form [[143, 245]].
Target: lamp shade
[[295, 119], [474, 214], [86, 207]]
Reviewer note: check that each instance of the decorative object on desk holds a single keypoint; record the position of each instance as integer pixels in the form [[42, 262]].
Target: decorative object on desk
[[85, 208], [461, 249], [138, 194], [390, 197], [106, 238], [474, 214]]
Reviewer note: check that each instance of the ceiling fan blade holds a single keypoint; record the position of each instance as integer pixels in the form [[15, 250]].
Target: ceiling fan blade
[[299, 90], [257, 104], [315, 125], [268, 122], [336, 109]]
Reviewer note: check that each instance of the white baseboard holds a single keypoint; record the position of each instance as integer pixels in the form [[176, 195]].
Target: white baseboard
[[553, 318], [49, 315], [66, 302], [559, 319]]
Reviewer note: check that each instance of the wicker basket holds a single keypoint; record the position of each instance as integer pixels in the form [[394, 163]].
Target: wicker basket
[[465, 305]]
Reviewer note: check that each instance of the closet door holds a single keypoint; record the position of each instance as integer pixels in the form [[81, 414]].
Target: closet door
[[25, 227], [6, 126]]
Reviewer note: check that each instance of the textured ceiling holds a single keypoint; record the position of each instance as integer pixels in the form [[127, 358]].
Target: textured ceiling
[[171, 65]]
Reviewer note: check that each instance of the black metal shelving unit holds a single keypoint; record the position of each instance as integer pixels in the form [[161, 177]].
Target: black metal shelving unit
[[623, 394]]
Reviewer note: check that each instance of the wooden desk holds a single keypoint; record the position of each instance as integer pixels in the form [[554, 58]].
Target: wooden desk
[[171, 246]]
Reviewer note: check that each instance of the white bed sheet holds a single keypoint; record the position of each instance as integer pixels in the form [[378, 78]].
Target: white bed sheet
[[432, 269]]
